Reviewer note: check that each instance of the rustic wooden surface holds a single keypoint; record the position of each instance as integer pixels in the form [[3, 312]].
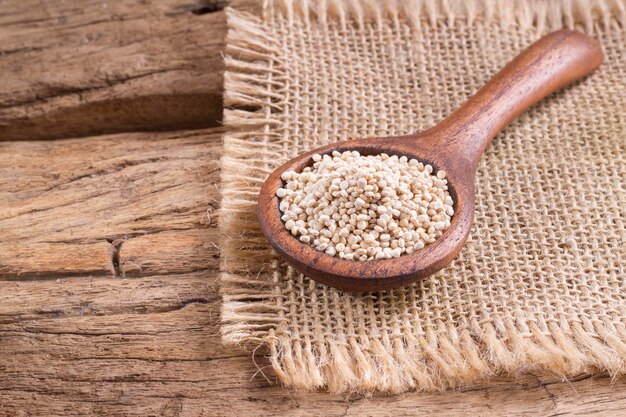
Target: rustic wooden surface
[[74, 68], [109, 250]]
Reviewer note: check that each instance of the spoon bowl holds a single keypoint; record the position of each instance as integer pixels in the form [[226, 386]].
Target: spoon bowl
[[455, 146], [368, 275]]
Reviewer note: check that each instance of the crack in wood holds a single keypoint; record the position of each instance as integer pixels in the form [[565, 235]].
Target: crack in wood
[[138, 274], [28, 49], [205, 10], [200, 300], [46, 275], [209, 6], [116, 265], [59, 91]]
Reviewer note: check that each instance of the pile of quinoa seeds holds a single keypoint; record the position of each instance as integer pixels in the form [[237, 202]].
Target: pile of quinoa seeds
[[365, 207]]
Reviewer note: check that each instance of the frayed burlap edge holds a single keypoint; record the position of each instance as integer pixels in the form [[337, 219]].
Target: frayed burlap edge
[[540, 14], [252, 76], [252, 310]]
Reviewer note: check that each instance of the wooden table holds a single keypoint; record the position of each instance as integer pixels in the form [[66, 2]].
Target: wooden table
[[109, 257]]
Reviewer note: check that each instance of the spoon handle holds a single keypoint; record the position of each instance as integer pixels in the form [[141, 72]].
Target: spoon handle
[[549, 64]]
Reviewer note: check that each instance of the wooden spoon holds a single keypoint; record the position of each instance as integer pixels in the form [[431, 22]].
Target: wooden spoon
[[455, 145]]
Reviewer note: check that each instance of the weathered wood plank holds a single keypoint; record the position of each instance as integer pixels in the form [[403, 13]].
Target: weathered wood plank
[[188, 332], [149, 345], [171, 252], [223, 387], [89, 67], [62, 203], [31, 301]]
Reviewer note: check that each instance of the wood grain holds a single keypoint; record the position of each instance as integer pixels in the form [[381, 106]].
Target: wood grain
[[85, 296], [146, 345], [63, 202], [75, 339], [90, 67], [454, 146]]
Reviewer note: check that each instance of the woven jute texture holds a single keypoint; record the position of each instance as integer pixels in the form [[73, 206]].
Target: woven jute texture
[[540, 285]]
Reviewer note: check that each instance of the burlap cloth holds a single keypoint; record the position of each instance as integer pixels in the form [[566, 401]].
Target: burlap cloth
[[540, 285]]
